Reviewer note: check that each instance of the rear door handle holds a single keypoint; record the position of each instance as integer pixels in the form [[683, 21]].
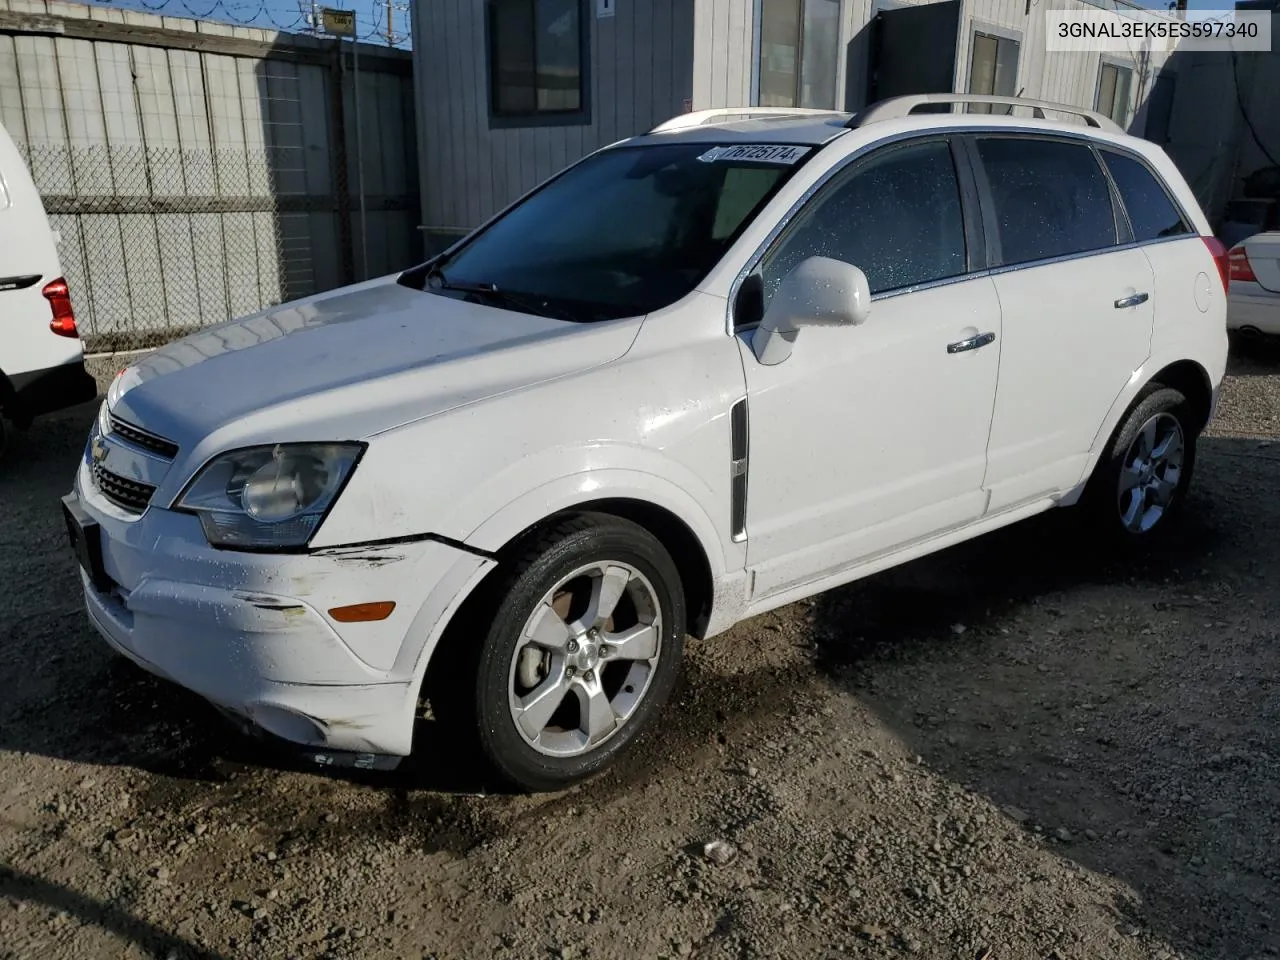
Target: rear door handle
[[1133, 301], [972, 343]]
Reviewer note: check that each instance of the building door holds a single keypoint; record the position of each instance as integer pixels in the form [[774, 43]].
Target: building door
[[799, 52]]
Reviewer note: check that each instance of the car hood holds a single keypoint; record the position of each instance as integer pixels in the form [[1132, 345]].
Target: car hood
[[351, 363]]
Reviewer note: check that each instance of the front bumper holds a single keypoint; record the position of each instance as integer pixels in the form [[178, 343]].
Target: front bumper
[[251, 632]]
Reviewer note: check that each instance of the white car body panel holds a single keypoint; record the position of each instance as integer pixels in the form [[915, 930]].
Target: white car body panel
[[1067, 351], [868, 445], [29, 349], [828, 490]]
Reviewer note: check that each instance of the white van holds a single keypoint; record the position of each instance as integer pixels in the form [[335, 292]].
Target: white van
[[41, 356]]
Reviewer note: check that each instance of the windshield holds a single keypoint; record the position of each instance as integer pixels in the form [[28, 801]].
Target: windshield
[[623, 233]]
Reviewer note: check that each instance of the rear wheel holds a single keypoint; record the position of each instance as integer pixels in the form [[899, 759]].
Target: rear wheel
[[581, 654], [1142, 479]]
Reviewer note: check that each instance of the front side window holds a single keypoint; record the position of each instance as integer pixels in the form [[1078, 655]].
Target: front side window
[[1152, 214], [993, 69], [1051, 198], [535, 58], [896, 216], [624, 232], [1113, 92]]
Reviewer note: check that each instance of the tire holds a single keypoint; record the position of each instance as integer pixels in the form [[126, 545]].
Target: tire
[[1159, 412], [536, 708]]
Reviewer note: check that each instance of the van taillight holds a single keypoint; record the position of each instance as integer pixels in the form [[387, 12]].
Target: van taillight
[[64, 318], [1219, 254], [1241, 268]]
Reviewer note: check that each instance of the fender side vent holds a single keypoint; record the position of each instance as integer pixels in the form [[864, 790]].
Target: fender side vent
[[738, 471]]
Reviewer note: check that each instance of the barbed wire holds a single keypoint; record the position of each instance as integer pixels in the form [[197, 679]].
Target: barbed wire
[[370, 26]]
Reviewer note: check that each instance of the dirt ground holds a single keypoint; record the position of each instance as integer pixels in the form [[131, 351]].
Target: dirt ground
[[1017, 748]]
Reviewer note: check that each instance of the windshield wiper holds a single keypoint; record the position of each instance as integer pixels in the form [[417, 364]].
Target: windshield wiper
[[521, 301], [444, 283]]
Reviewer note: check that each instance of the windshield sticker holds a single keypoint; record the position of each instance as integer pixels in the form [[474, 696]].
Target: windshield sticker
[[756, 153]]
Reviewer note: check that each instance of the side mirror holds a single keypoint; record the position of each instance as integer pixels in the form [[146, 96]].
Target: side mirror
[[818, 292]]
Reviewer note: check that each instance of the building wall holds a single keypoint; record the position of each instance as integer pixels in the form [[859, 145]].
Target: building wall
[[1054, 75], [722, 53], [641, 73], [657, 58]]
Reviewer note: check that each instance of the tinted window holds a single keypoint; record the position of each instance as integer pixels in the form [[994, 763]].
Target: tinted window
[[896, 216], [535, 57], [1150, 210], [622, 233], [1051, 198]]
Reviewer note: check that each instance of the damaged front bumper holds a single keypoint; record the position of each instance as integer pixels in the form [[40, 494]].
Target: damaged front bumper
[[251, 632]]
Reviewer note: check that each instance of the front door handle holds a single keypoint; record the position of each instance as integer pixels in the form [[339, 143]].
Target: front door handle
[[1133, 301], [971, 343]]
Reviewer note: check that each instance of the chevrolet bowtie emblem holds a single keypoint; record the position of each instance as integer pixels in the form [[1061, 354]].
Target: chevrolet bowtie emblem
[[98, 450]]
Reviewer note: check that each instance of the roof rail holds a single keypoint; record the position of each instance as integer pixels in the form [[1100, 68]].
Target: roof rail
[[897, 107], [728, 114]]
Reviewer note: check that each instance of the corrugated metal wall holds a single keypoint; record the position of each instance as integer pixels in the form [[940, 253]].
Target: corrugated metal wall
[[723, 56], [1043, 75], [198, 171], [641, 73], [725, 52], [650, 56]]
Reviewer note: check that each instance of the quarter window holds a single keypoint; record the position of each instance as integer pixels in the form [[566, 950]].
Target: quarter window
[[535, 58], [1051, 198], [1151, 213], [896, 216]]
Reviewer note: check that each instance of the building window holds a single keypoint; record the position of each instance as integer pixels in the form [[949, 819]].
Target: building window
[[993, 69], [1114, 82], [537, 61], [799, 51]]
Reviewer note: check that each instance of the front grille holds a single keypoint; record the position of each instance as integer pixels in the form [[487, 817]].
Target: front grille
[[141, 438], [124, 493]]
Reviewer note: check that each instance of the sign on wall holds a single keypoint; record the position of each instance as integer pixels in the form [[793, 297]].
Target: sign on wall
[[338, 23]]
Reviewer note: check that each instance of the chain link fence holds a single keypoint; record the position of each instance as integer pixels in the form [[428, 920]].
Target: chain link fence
[[155, 242], [203, 174]]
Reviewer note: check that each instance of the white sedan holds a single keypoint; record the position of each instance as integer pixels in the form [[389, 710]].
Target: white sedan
[[1253, 304]]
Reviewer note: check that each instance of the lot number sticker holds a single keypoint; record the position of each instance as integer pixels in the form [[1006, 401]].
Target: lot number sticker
[[756, 153]]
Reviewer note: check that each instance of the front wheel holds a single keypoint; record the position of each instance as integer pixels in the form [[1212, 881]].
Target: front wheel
[[581, 654], [1142, 479]]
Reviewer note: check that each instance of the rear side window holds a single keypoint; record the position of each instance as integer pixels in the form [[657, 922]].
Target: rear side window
[[896, 216], [1051, 198], [1151, 213]]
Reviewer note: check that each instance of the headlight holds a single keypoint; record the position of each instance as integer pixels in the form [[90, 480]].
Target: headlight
[[269, 497]]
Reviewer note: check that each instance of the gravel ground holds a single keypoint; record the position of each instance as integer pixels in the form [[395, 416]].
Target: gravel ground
[[1016, 748]]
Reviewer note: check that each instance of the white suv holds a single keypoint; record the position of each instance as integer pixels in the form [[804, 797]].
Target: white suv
[[697, 375]]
